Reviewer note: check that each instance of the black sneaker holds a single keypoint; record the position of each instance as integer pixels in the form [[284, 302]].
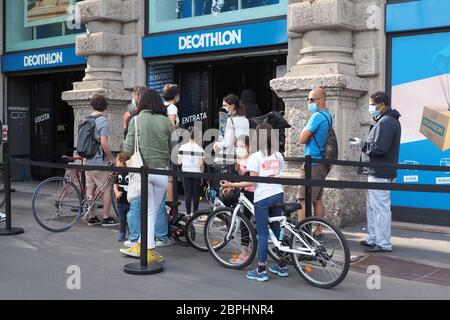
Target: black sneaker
[[95, 221], [109, 222], [377, 249], [364, 243]]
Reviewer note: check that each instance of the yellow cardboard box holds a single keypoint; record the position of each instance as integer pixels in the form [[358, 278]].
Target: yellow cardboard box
[[435, 126]]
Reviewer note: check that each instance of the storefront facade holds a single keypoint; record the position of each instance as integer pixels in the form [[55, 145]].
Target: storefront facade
[[278, 49], [38, 64], [213, 50], [418, 76]]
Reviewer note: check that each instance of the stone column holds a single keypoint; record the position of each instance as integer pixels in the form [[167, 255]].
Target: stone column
[[111, 37], [336, 48]]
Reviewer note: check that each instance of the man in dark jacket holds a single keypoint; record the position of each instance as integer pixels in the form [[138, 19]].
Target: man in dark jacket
[[382, 145]]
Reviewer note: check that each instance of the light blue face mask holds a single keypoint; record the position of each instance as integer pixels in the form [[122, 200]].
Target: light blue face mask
[[373, 111], [312, 107]]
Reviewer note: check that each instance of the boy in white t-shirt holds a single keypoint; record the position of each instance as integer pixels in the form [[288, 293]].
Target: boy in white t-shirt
[[191, 163], [265, 163]]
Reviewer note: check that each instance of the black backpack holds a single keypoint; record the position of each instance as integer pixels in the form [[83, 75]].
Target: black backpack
[[330, 151], [87, 143]]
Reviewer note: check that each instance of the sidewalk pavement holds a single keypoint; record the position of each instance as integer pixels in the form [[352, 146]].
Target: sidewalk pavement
[[420, 252]]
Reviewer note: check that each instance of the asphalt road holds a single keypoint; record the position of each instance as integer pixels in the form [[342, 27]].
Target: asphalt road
[[34, 266]]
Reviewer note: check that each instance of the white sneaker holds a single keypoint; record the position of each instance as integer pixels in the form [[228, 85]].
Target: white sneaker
[[129, 244], [161, 243], [2, 216]]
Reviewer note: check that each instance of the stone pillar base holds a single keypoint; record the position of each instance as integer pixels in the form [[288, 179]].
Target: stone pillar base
[[118, 101]]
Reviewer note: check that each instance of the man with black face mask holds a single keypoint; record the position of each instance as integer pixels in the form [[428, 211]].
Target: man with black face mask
[[382, 145]]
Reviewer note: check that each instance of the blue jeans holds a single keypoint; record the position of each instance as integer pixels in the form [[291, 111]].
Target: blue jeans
[[263, 210], [134, 220], [162, 222]]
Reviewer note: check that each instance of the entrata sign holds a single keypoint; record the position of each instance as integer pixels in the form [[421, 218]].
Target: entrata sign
[[51, 58], [266, 33]]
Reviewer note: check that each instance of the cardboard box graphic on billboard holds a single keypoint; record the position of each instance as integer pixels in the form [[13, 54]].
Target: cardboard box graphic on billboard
[[435, 126]]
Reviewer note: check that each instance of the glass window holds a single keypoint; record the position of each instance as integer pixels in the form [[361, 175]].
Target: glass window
[[168, 15], [34, 24]]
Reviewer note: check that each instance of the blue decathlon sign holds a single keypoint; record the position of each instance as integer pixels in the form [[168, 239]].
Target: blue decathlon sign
[[257, 34], [40, 59]]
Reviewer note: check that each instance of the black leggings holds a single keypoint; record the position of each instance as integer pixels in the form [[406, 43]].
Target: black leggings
[[245, 236], [192, 193]]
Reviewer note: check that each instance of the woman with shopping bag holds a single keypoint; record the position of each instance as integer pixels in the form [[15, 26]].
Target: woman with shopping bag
[[149, 141]]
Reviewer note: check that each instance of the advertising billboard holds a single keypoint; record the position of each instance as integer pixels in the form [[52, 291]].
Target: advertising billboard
[[420, 92], [41, 12]]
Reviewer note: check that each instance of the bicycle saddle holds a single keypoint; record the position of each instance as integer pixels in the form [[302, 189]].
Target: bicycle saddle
[[172, 205], [288, 207]]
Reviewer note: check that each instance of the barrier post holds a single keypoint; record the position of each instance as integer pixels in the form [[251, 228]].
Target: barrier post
[[174, 189], [8, 231], [308, 189], [143, 267]]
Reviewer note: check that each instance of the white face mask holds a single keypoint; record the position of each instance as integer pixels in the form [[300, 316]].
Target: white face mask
[[177, 99], [241, 152]]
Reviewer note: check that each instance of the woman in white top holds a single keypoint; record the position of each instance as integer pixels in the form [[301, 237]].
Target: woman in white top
[[171, 96], [191, 160], [237, 125]]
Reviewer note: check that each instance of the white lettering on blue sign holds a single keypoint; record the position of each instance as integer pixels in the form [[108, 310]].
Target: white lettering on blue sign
[[212, 39], [43, 59]]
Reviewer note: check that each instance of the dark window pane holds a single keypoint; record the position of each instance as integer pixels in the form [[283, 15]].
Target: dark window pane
[[49, 30]]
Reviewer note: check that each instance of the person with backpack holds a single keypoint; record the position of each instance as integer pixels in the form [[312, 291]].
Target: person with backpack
[[315, 138], [93, 145]]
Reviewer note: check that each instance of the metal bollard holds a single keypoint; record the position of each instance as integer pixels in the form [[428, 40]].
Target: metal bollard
[[8, 231], [143, 267]]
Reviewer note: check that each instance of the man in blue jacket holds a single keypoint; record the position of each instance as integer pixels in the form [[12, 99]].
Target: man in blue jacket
[[382, 145]]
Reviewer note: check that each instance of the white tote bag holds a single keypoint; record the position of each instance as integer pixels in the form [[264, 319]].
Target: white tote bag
[[134, 185]]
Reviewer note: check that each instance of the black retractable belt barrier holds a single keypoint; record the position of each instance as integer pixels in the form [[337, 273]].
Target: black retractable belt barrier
[[8, 230], [142, 267]]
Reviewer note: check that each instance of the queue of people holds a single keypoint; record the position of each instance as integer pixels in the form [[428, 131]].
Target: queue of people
[[151, 122]]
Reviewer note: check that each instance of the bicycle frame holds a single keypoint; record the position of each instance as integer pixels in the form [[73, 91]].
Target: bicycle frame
[[235, 220], [75, 177]]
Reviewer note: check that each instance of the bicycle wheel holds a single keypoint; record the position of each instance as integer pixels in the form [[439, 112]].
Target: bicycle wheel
[[194, 231], [2, 190], [57, 204], [227, 252], [180, 237], [329, 265]]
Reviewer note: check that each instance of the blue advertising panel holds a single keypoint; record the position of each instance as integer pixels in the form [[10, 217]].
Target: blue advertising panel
[[258, 34], [421, 14], [419, 80], [159, 75], [40, 59]]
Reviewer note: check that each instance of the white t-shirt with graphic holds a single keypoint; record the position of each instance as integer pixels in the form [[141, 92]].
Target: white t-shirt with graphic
[[190, 163], [266, 166]]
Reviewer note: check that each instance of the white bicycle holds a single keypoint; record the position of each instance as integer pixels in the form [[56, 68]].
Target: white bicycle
[[317, 249]]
